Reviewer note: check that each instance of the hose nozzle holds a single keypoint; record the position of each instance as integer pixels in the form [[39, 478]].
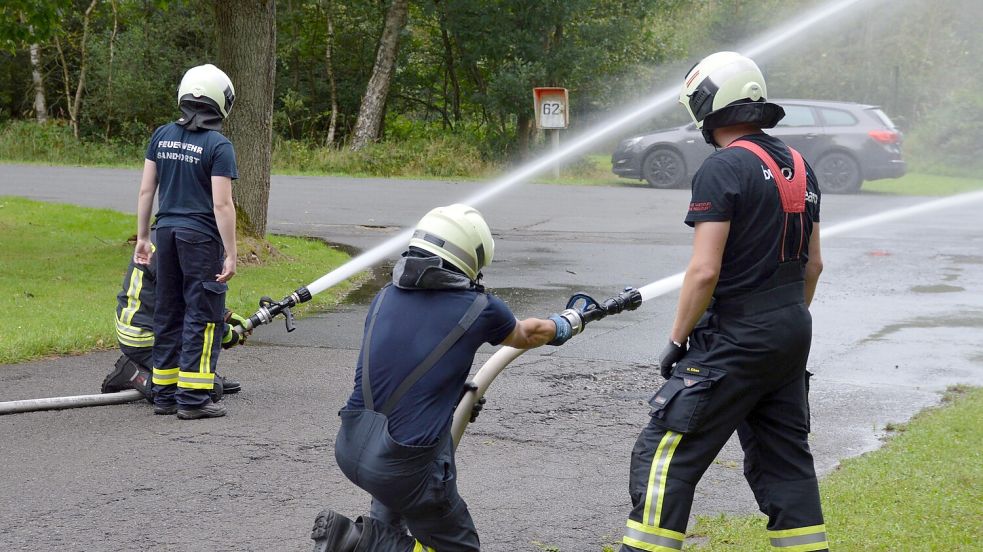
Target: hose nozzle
[[269, 309], [591, 310]]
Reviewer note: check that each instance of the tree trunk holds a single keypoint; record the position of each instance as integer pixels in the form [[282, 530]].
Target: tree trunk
[[109, 80], [523, 130], [246, 33], [76, 106], [333, 121], [369, 123], [40, 106], [449, 62]]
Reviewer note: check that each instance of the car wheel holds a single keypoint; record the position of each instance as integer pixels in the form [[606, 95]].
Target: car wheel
[[664, 168], [838, 173]]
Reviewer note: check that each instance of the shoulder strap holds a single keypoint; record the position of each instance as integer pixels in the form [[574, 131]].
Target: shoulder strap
[[465, 323], [792, 192], [366, 384]]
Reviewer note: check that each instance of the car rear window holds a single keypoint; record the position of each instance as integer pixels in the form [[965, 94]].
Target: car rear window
[[882, 117], [837, 117], [797, 116]]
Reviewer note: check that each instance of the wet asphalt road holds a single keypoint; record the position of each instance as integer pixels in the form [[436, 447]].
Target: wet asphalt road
[[898, 317]]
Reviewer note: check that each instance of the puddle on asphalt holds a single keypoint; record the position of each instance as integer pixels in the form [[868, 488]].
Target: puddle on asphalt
[[378, 276], [938, 288], [964, 259], [965, 319]]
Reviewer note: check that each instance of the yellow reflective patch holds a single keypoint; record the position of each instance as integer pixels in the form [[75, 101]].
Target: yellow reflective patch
[[205, 362], [646, 546], [669, 533], [797, 532], [811, 547]]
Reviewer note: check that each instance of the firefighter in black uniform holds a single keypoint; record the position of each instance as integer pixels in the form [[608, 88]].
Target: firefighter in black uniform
[[743, 312], [135, 335], [419, 343]]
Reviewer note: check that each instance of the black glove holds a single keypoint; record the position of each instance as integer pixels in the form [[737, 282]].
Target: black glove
[[478, 405], [673, 353]]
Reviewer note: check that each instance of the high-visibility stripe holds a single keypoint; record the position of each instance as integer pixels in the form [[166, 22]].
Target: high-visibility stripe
[[205, 362], [196, 380], [641, 545], [133, 342], [800, 539], [656, 530], [165, 376], [132, 296], [133, 336], [665, 539], [656, 491], [420, 548]]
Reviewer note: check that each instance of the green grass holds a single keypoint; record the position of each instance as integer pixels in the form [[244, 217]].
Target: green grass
[[922, 491], [63, 266], [924, 184]]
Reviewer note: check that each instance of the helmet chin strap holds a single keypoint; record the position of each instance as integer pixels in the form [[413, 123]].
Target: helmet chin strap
[[199, 116]]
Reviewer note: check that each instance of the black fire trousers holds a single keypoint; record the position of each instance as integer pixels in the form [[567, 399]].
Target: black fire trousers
[[745, 373], [188, 316]]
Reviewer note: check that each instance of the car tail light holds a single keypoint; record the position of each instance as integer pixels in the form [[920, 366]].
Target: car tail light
[[885, 136]]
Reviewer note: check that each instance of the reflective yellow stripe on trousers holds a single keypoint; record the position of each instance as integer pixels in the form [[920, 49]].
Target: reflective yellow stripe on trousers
[[802, 539], [165, 376], [647, 535], [420, 548]]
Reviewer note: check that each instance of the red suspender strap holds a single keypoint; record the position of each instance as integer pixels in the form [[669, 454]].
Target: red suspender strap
[[792, 192]]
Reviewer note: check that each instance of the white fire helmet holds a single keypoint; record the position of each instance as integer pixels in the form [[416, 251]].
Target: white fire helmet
[[207, 84], [726, 89], [459, 235]]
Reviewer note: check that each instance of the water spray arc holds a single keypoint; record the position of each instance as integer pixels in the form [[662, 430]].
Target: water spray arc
[[269, 309], [761, 48]]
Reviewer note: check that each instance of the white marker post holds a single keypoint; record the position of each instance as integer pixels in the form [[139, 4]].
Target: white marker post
[[551, 106]]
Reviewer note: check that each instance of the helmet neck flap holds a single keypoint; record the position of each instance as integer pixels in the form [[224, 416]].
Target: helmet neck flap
[[419, 269], [199, 116]]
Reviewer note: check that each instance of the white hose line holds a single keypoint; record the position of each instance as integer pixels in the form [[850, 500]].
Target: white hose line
[[501, 359], [77, 401], [482, 378]]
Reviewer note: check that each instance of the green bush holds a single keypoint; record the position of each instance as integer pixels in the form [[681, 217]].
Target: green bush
[[53, 142], [440, 157], [947, 140]]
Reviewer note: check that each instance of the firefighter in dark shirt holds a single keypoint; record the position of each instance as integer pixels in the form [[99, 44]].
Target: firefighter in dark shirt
[[190, 166], [420, 339], [737, 351]]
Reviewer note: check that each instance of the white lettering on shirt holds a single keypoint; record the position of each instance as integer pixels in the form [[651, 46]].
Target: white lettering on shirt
[[177, 155]]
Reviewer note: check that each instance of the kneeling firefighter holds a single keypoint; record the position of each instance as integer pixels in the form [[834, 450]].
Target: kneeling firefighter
[[135, 334], [744, 313], [420, 339]]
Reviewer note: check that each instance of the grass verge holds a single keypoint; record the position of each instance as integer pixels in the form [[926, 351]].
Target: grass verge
[[922, 491], [924, 184], [63, 266]]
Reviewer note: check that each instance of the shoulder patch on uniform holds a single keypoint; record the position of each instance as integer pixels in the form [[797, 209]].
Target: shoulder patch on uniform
[[699, 206]]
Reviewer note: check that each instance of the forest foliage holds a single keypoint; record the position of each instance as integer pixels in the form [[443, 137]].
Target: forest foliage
[[465, 68]]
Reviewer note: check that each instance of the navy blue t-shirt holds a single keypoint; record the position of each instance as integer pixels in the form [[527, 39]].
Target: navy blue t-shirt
[[732, 185], [409, 326], [186, 161]]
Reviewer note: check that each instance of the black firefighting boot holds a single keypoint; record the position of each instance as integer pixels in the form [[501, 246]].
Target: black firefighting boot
[[334, 532], [230, 386], [207, 410], [127, 374]]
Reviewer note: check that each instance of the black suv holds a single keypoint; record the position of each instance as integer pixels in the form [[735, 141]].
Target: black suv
[[846, 143]]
